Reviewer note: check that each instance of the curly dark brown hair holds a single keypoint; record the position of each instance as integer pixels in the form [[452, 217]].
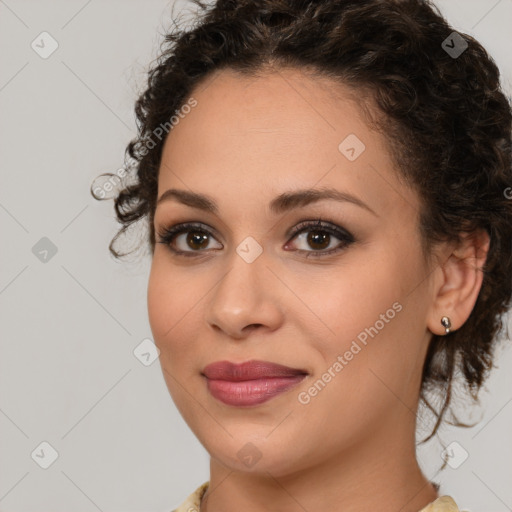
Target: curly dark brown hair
[[445, 116]]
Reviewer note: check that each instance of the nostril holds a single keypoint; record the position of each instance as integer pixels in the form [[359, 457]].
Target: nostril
[[253, 326]]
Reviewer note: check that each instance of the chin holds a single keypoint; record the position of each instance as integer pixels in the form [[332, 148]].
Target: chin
[[250, 453]]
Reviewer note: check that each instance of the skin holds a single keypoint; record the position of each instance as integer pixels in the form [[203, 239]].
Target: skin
[[352, 447]]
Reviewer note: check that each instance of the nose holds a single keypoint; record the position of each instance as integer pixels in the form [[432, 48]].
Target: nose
[[246, 298]]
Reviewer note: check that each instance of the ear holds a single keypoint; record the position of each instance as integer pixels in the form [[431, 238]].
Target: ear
[[459, 279]]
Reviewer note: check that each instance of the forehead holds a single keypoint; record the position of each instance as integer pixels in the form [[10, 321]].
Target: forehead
[[278, 131], [288, 107]]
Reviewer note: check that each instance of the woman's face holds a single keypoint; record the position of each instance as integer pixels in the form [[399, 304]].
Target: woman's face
[[349, 307]]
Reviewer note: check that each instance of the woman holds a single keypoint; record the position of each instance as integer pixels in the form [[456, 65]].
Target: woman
[[326, 189]]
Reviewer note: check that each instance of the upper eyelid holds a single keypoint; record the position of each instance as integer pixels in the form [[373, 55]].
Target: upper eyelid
[[322, 224], [314, 214]]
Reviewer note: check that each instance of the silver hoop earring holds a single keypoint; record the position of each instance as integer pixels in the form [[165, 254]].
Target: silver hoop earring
[[445, 321]]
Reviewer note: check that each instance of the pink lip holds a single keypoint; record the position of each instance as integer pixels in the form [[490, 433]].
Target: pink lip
[[250, 383]]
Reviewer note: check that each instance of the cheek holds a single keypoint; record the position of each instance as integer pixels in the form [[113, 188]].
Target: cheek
[[170, 301], [358, 374], [365, 313], [172, 292], [160, 303], [354, 299]]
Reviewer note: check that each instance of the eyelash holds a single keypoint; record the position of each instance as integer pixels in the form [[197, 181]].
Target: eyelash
[[167, 235]]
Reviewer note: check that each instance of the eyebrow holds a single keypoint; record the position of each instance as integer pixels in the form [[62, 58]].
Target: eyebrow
[[282, 203]]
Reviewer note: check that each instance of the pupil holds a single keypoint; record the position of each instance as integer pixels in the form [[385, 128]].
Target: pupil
[[195, 237], [318, 238]]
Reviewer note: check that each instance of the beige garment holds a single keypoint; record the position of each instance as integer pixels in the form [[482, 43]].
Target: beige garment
[[191, 504]]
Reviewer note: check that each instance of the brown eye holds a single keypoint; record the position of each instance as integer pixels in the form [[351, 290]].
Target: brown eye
[[186, 239], [321, 238], [318, 239], [197, 239]]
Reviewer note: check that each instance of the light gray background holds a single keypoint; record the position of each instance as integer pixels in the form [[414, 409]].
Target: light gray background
[[68, 375]]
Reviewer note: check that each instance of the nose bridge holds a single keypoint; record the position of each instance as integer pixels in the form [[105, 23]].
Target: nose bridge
[[246, 260], [243, 296], [240, 285]]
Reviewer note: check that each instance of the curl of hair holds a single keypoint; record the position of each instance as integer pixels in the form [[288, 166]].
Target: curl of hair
[[447, 121]]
